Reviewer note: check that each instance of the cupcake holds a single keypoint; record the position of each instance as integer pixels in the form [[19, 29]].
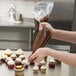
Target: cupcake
[[43, 68], [8, 59], [41, 63], [35, 69], [52, 63], [13, 56], [19, 70], [19, 52], [8, 52], [22, 57], [25, 63], [18, 61], [4, 57], [10, 64]]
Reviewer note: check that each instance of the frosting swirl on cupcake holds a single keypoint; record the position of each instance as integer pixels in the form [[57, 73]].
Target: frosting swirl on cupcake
[[4, 56], [13, 55], [52, 60], [35, 68], [21, 56], [20, 52], [8, 52], [18, 59], [8, 59], [11, 62], [25, 62], [42, 62], [43, 67]]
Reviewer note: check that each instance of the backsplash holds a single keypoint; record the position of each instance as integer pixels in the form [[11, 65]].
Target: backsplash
[[23, 7]]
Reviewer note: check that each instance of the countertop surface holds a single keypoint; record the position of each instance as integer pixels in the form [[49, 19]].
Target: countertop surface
[[59, 70], [27, 23]]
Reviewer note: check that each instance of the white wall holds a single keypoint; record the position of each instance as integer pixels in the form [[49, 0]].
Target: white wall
[[63, 9], [24, 7]]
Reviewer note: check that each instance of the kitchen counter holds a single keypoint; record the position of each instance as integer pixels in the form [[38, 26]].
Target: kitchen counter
[[27, 23], [60, 70]]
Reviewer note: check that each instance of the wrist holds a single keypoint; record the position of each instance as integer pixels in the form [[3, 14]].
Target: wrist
[[48, 51], [53, 32]]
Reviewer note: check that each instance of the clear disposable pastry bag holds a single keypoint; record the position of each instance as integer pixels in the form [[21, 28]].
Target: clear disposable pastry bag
[[42, 9]]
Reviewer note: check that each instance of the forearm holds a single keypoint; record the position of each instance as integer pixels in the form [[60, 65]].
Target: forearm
[[64, 35], [65, 57]]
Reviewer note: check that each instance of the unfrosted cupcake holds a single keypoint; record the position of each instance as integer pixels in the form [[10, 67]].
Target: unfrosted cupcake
[[18, 61], [8, 52], [13, 56], [43, 68], [11, 64], [35, 69], [52, 63], [25, 63], [19, 52], [22, 57]]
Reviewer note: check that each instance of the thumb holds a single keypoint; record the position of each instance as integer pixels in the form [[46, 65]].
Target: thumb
[[33, 57], [41, 26]]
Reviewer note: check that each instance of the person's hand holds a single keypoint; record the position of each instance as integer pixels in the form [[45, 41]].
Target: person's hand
[[48, 26], [39, 54]]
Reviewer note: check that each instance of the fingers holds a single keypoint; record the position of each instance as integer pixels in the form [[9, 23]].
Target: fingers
[[38, 59], [33, 57], [41, 26], [29, 57]]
